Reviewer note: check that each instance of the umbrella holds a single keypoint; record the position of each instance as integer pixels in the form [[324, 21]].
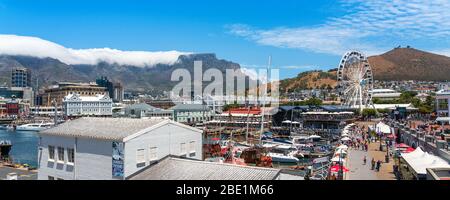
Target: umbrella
[[337, 168]]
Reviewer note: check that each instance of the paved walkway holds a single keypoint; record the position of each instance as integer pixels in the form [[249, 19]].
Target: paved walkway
[[387, 170], [359, 171]]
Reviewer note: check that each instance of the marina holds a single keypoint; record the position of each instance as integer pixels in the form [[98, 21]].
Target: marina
[[24, 146]]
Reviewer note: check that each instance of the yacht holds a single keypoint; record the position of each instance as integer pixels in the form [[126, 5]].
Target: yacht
[[281, 158], [34, 127]]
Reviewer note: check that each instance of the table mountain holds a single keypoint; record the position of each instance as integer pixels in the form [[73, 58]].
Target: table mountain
[[139, 79]]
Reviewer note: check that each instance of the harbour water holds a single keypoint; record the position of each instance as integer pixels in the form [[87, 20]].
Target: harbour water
[[25, 144]]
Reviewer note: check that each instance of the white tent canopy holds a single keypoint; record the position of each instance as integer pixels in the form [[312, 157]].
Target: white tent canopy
[[420, 161], [382, 128], [287, 122], [345, 135], [346, 139]]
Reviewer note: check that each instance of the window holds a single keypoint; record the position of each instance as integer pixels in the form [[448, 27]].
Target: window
[[153, 153], [51, 178], [70, 156], [192, 146], [192, 149], [60, 154], [183, 148], [51, 152], [140, 156]]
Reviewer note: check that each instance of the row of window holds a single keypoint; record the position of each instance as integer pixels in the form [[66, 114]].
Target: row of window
[[60, 156], [90, 110], [153, 153], [89, 104]]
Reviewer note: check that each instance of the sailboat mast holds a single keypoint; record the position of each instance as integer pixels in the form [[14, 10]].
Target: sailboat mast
[[264, 100]]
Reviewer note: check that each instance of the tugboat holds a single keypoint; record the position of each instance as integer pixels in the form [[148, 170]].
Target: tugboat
[[5, 148]]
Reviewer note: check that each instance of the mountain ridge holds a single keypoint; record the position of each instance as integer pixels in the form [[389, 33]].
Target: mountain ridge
[[138, 79]]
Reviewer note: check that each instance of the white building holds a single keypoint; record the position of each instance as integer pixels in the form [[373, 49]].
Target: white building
[[112, 148], [75, 105], [385, 94], [443, 105]]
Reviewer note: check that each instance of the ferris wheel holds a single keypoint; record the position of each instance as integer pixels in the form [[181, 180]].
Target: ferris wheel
[[355, 80]]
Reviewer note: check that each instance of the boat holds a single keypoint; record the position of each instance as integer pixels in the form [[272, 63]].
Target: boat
[[3, 127], [11, 127], [34, 127], [5, 148], [281, 158]]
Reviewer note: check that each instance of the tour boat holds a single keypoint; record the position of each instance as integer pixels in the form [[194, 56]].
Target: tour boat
[[34, 127], [281, 158]]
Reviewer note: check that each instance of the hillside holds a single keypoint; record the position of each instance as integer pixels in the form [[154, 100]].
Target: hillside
[[310, 80], [140, 79], [410, 64], [396, 65]]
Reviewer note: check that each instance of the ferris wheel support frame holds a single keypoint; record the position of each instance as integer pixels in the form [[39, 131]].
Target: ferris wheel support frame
[[355, 80]]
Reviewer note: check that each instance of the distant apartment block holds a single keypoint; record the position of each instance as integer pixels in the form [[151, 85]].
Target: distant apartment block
[[21, 77], [115, 90]]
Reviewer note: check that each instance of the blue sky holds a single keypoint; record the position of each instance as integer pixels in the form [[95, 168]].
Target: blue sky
[[300, 35]]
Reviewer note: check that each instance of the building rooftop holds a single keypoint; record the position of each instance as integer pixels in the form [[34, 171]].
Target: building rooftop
[[77, 97], [190, 107], [172, 168], [142, 106], [115, 129]]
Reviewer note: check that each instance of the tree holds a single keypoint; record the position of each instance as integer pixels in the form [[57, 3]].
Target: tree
[[369, 113]]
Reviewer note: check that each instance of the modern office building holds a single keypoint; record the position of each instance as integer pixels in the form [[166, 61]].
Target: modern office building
[[21, 77], [112, 148], [115, 90], [75, 105]]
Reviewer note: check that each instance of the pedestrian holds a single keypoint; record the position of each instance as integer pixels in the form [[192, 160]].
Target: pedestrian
[[373, 163], [367, 147], [365, 160], [378, 165]]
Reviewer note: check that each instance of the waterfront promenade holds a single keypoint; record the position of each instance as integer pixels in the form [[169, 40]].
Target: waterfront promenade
[[359, 171]]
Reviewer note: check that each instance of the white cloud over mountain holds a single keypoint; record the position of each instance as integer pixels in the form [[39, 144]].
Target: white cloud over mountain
[[33, 46], [371, 26]]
